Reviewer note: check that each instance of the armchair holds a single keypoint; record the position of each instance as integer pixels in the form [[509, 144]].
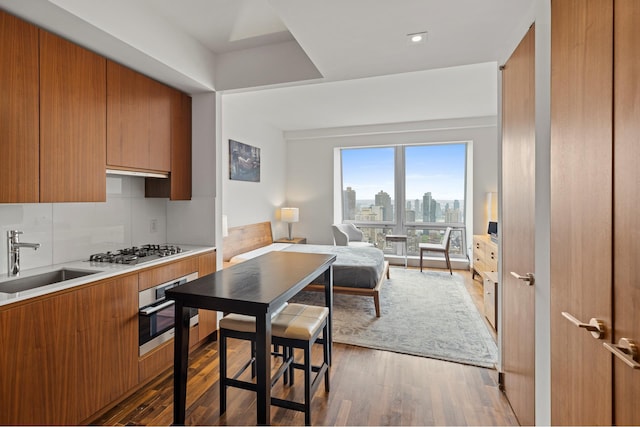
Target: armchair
[[348, 235]]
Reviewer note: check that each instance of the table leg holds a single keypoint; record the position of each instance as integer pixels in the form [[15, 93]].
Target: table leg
[[180, 363], [263, 368], [328, 300]]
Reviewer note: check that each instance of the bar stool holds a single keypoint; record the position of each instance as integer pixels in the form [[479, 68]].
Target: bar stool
[[294, 326], [300, 326], [243, 327]]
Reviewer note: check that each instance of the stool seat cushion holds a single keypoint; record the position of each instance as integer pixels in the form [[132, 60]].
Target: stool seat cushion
[[298, 321], [244, 323]]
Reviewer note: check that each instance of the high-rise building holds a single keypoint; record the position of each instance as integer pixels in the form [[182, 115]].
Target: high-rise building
[[416, 207], [429, 208], [372, 213], [384, 200], [456, 205], [349, 204], [411, 216], [408, 205]]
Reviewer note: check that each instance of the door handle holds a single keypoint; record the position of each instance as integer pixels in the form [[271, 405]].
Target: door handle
[[595, 326], [626, 350], [529, 278]]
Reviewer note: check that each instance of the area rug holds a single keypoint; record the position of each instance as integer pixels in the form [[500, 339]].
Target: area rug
[[428, 314]]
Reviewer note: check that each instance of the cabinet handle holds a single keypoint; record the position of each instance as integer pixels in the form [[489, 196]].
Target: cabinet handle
[[529, 278], [595, 326], [626, 350]]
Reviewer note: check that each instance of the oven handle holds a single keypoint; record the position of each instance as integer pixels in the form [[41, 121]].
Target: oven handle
[[155, 308]]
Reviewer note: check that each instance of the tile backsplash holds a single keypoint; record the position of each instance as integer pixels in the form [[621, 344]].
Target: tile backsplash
[[72, 231]]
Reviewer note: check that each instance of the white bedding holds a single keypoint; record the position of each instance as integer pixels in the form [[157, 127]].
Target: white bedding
[[257, 252]]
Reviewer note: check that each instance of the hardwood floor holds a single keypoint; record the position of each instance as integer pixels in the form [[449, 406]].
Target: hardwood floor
[[368, 387]]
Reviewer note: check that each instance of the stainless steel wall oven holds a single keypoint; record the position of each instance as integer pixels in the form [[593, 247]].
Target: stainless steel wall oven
[[156, 316]]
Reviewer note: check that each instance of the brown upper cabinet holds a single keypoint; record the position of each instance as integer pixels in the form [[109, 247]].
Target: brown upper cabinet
[[72, 122], [138, 121], [19, 86], [178, 186], [68, 114]]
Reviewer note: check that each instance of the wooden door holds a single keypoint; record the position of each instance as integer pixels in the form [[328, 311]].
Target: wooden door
[[72, 122], [581, 208], [518, 200], [626, 321], [20, 111]]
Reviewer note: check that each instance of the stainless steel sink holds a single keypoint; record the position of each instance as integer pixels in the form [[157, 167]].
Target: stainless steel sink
[[31, 282]]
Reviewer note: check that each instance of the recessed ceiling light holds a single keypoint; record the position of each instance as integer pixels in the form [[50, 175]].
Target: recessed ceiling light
[[415, 38]]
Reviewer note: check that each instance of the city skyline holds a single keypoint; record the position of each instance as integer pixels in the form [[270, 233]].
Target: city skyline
[[438, 168]]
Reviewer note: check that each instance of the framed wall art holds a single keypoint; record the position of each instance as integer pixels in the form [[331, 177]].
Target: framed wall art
[[244, 162]]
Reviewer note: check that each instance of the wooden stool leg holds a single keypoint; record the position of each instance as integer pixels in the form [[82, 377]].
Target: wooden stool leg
[[307, 384], [421, 260], [325, 350], [223, 371], [446, 256]]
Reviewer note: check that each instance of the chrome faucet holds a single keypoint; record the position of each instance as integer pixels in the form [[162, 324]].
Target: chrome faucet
[[13, 251]]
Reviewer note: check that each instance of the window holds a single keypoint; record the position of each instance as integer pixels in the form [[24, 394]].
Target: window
[[417, 190]]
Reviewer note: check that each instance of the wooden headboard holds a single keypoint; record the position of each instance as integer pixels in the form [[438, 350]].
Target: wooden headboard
[[246, 238]]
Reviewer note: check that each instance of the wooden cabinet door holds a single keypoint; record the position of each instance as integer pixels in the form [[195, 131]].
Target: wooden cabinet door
[[138, 121], [207, 319], [181, 147], [581, 208], [518, 201], [178, 186], [107, 327], [127, 117], [38, 361], [19, 180], [72, 122], [65, 357], [160, 98], [626, 321]]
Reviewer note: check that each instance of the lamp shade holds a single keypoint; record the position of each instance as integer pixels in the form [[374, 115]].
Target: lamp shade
[[289, 214]]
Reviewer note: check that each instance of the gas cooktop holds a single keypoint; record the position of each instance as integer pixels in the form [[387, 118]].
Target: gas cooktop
[[137, 255]]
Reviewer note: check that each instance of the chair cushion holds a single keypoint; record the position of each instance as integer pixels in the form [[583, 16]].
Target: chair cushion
[[299, 321], [244, 323], [431, 247]]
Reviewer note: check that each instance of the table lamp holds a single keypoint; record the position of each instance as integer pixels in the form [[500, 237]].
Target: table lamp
[[289, 215]]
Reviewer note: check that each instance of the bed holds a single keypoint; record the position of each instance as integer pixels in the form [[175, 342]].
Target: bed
[[357, 270]]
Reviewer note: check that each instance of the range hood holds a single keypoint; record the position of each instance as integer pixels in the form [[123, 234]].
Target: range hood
[[137, 173]]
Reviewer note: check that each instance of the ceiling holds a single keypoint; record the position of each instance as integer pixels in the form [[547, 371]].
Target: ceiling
[[356, 38], [341, 49]]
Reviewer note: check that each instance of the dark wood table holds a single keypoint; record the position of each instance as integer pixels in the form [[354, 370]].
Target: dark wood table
[[255, 287]]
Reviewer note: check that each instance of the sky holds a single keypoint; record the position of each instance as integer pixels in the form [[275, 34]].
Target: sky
[[439, 169]]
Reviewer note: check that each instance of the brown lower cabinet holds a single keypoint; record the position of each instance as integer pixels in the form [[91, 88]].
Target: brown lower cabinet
[[71, 355]]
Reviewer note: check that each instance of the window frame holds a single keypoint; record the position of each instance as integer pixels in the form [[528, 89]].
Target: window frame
[[399, 225]]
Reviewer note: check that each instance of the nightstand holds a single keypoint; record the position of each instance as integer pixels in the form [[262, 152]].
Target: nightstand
[[295, 240]]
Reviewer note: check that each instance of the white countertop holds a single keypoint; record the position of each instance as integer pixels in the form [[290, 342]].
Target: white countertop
[[103, 271]]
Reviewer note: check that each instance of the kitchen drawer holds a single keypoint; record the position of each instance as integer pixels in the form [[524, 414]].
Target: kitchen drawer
[[156, 276]]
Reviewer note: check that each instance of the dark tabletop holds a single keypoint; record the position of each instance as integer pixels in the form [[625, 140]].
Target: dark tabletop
[[253, 286]]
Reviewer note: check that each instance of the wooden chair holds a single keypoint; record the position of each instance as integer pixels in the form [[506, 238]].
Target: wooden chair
[[442, 247]]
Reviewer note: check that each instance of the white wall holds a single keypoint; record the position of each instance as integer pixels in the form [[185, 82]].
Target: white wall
[[73, 231], [310, 165], [194, 221], [250, 202]]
